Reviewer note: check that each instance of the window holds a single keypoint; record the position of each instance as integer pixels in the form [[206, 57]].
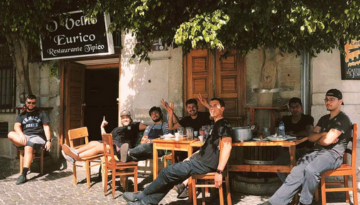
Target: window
[[7, 80]]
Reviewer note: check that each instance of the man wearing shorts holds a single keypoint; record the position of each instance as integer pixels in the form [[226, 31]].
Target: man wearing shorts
[[32, 131]]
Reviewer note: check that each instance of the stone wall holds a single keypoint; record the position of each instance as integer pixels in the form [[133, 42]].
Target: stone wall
[[143, 85], [47, 88]]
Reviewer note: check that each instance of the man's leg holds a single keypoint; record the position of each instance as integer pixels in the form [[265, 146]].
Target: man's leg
[[324, 161], [89, 146], [16, 139], [97, 148], [293, 181], [141, 152]]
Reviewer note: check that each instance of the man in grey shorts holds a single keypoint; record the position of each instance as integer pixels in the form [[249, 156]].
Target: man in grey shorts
[[32, 131]]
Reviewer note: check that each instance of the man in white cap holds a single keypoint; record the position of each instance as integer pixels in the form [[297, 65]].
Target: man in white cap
[[331, 135], [124, 137]]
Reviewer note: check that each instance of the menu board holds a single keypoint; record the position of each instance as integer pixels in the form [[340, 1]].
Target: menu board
[[350, 63]]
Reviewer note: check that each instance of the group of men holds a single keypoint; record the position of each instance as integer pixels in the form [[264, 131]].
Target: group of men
[[323, 151]]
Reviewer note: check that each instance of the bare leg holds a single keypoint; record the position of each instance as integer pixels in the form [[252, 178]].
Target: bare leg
[[88, 146], [93, 151], [28, 156], [17, 139]]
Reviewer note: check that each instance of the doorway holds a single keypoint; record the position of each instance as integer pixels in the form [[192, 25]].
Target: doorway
[[101, 100]]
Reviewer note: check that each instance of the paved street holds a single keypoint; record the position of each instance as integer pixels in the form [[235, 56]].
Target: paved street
[[56, 187]]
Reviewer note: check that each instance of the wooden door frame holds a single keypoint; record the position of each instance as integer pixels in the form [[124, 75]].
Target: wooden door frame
[[62, 92]]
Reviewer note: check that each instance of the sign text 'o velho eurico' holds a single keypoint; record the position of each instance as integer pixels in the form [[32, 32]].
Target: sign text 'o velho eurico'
[[77, 36]]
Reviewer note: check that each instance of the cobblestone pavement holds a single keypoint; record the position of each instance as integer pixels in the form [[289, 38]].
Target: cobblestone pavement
[[56, 187]]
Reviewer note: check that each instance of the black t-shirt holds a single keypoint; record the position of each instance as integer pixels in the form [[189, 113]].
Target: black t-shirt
[[128, 134], [32, 123], [209, 153], [202, 119], [340, 122], [298, 127]]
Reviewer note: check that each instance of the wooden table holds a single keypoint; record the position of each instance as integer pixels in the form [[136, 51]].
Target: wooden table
[[268, 168]]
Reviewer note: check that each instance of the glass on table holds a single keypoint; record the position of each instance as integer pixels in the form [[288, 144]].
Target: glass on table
[[180, 131], [190, 133]]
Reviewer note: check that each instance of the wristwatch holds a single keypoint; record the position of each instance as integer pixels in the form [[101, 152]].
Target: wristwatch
[[219, 171], [49, 140]]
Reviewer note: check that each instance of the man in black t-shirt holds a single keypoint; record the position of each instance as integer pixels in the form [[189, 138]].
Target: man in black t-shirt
[[32, 131], [195, 119], [299, 125], [206, 160], [124, 137], [331, 134]]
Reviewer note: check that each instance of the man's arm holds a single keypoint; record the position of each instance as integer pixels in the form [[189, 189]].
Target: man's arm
[[315, 134], [305, 132], [173, 121], [102, 126], [203, 101], [330, 138], [224, 157], [142, 126], [48, 136]]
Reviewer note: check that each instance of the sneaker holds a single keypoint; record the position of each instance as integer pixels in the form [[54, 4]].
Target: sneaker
[[70, 152], [22, 179], [179, 188], [67, 157], [124, 149], [184, 194], [130, 196]]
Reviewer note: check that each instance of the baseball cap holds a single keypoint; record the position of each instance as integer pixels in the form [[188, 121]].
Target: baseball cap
[[334, 93], [125, 112]]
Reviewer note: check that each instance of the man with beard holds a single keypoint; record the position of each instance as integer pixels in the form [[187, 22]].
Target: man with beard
[[124, 137], [206, 160], [331, 134], [32, 132], [299, 125], [194, 119], [145, 149]]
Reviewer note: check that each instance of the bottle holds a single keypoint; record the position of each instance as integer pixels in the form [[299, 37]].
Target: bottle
[[281, 129]]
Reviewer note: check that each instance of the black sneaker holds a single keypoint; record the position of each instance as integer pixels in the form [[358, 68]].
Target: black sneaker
[[67, 157], [124, 149], [184, 194], [130, 196], [179, 188], [22, 179]]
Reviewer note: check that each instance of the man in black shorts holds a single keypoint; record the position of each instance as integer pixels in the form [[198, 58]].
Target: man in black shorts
[[331, 134], [124, 137], [32, 131], [206, 160], [299, 125]]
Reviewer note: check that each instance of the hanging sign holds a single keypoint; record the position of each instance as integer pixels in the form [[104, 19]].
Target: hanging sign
[[350, 63], [77, 36]]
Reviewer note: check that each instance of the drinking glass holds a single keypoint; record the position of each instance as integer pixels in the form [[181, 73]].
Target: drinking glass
[[180, 131], [190, 133]]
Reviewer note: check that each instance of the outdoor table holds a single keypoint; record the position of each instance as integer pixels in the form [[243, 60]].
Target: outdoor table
[[268, 168]]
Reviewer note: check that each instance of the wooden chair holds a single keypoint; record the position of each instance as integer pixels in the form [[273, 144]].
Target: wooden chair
[[82, 134], [345, 170], [21, 156], [116, 167], [209, 177]]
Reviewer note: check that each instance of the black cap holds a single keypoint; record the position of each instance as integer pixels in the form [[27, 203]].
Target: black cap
[[154, 109], [334, 93]]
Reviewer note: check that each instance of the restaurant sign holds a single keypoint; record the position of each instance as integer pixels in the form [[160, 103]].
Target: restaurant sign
[[77, 36], [350, 62]]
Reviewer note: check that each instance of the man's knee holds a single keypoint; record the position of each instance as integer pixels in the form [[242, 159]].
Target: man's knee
[[28, 150], [12, 134]]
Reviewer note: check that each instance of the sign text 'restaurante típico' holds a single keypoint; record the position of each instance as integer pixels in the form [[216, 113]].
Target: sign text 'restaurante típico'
[[77, 36]]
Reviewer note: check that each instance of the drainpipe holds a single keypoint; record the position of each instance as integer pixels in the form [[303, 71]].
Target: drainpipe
[[305, 82]]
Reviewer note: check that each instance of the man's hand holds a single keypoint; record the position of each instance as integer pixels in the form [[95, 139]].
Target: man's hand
[[164, 104], [335, 141], [145, 139], [47, 146], [104, 123], [218, 180], [203, 101]]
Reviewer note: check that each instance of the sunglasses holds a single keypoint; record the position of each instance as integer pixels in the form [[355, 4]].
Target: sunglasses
[[31, 103]]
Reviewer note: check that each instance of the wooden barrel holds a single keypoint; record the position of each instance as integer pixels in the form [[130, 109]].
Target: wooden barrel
[[261, 155]]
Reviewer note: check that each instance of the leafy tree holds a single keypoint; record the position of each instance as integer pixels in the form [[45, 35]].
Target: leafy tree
[[22, 23], [243, 25]]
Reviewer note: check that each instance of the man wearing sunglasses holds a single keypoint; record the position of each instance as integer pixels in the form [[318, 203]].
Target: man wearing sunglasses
[[32, 131], [331, 135]]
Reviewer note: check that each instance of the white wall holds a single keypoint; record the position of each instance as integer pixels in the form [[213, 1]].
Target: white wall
[[326, 74], [47, 87], [165, 72]]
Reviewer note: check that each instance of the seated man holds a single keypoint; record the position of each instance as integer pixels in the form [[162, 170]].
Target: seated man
[[331, 134], [32, 131], [298, 125], [206, 160], [124, 137], [145, 150]]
